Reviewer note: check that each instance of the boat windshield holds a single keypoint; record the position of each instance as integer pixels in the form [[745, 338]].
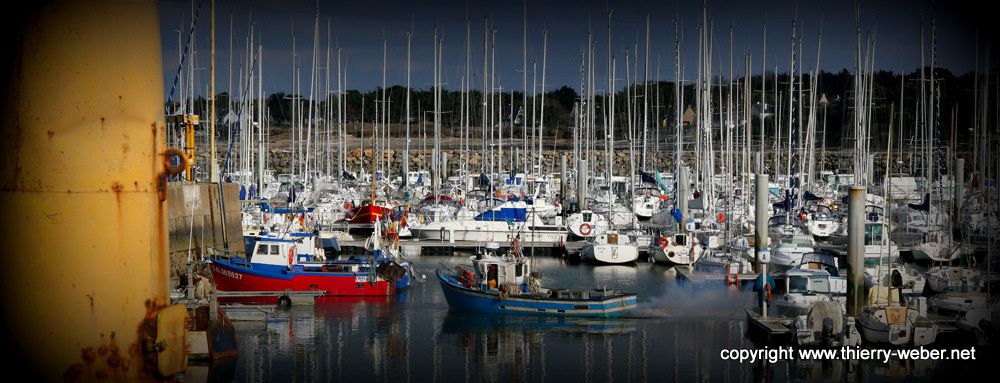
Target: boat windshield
[[808, 284], [873, 234], [797, 241]]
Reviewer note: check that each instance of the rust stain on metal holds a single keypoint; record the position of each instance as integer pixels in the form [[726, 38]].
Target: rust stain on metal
[[114, 358], [87, 354], [106, 363], [161, 187], [144, 348]]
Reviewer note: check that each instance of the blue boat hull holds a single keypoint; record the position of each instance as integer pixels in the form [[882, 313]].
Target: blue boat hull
[[463, 298]]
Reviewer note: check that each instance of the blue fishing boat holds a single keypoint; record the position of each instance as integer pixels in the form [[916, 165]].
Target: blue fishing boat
[[503, 284]]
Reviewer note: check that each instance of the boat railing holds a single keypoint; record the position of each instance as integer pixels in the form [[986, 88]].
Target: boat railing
[[234, 256]]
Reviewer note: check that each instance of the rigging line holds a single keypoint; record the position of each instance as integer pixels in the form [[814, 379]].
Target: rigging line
[[180, 66]]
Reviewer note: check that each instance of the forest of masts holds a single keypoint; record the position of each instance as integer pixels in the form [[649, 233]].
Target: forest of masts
[[727, 114]]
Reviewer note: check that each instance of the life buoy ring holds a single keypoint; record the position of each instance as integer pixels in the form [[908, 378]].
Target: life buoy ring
[[664, 242], [466, 278], [585, 228], [182, 161], [802, 216], [291, 255]]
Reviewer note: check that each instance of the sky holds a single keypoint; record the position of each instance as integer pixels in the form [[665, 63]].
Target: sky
[[359, 29]]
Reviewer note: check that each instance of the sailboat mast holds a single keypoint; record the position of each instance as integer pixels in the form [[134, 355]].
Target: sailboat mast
[[328, 112], [312, 96], [406, 151], [524, 79], [541, 112], [293, 160], [260, 118], [212, 173], [645, 100]]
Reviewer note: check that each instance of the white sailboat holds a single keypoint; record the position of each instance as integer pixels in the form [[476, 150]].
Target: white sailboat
[[680, 249], [611, 247]]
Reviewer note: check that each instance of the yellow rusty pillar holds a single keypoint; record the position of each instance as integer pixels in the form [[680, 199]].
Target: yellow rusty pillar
[[189, 122], [85, 253]]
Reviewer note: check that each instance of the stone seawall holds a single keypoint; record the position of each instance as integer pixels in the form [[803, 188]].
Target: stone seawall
[[839, 161]]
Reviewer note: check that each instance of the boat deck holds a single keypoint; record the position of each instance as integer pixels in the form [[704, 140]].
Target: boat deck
[[770, 329]]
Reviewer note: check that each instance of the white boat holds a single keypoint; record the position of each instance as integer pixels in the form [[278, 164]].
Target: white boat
[[780, 226], [646, 202], [822, 223], [610, 248], [532, 232], [937, 247], [946, 279], [886, 321], [805, 287], [500, 224], [676, 249], [620, 215], [787, 252], [883, 266], [959, 302], [586, 224]]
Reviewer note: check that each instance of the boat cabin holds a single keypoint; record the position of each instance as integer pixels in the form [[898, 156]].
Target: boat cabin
[[810, 281], [492, 271], [285, 253]]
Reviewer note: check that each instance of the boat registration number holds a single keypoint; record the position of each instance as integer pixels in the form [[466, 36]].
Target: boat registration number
[[228, 273]]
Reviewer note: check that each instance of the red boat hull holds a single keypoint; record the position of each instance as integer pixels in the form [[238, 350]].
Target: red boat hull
[[229, 278], [367, 214]]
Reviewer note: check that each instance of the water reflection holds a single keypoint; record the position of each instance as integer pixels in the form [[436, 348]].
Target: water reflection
[[415, 337]]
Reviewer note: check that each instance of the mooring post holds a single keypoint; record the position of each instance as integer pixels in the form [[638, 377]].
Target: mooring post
[[856, 251], [760, 221]]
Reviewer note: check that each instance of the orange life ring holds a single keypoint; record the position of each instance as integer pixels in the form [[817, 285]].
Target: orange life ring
[[722, 218], [585, 228], [291, 255], [466, 278], [664, 242], [802, 216]]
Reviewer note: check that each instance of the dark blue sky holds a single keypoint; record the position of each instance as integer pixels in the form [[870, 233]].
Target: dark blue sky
[[359, 27]]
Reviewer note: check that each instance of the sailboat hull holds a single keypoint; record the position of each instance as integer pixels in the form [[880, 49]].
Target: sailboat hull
[[610, 254]]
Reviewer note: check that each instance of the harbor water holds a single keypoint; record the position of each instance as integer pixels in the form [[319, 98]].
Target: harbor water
[[676, 334]]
